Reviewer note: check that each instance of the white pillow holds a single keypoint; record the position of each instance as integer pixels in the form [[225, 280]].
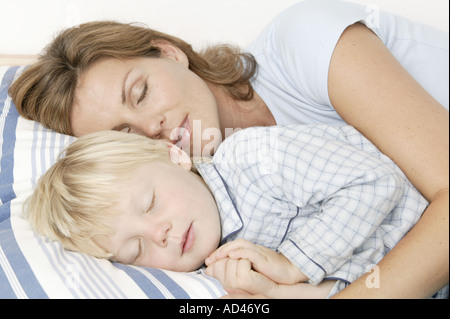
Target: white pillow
[[31, 266]]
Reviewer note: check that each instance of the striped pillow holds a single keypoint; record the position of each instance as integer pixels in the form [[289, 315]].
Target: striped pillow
[[31, 266]]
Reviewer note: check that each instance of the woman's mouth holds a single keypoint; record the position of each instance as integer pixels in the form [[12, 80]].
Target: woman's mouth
[[188, 240], [181, 136]]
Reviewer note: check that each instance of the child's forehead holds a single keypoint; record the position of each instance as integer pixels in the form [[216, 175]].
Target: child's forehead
[[127, 172]]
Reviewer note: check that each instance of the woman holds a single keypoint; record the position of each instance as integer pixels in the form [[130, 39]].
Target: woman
[[317, 62]]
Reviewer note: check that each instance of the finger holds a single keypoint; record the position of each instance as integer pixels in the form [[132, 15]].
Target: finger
[[224, 250], [243, 267], [237, 244], [257, 257], [226, 271], [237, 273], [231, 276], [215, 255], [264, 261], [217, 270], [252, 281], [236, 291]]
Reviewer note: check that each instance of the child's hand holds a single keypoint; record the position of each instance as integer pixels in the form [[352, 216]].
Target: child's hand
[[238, 275], [273, 265]]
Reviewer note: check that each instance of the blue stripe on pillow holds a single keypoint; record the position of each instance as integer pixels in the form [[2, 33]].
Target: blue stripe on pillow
[[8, 279], [19, 275], [155, 283], [17, 278], [147, 286], [6, 289], [168, 283], [8, 123]]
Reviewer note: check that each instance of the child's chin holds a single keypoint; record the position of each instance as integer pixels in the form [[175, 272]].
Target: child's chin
[[187, 268]]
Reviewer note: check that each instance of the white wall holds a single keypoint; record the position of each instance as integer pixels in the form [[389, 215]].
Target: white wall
[[26, 26]]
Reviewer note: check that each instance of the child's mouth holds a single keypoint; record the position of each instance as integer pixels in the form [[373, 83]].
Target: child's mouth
[[188, 240]]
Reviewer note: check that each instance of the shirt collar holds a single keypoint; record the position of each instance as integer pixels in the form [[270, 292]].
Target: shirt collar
[[230, 218]]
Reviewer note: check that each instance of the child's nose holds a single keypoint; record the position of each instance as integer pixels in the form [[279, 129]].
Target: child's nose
[[159, 233]]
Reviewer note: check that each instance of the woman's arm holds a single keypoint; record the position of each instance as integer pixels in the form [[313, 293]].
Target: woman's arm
[[372, 92], [297, 291]]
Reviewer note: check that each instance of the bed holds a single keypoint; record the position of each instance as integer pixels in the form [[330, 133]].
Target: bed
[[34, 267]]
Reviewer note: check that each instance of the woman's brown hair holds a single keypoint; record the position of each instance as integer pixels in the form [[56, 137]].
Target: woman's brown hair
[[45, 91]]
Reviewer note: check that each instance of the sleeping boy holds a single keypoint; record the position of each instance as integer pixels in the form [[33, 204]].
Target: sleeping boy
[[300, 211]]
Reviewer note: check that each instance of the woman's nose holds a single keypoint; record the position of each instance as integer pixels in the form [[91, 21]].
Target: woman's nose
[[154, 127]]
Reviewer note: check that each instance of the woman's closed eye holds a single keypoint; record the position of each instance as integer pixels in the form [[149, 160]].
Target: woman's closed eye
[[143, 93]]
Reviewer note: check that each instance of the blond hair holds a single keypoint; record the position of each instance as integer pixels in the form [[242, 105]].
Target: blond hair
[[45, 92], [74, 200]]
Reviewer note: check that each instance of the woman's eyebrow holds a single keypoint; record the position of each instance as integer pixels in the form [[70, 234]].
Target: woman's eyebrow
[[124, 95]]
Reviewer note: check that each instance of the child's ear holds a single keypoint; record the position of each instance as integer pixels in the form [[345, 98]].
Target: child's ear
[[179, 157]]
